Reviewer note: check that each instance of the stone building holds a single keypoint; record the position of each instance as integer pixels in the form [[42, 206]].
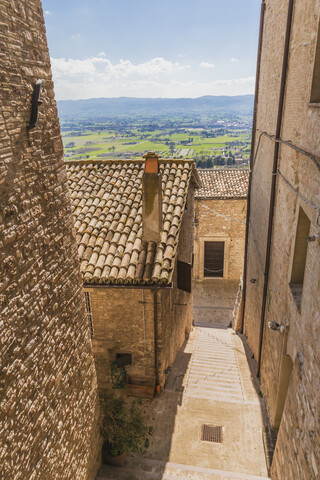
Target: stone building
[[282, 300], [48, 401], [136, 267], [220, 218]]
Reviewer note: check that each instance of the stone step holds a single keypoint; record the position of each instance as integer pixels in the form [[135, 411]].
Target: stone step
[[196, 378], [214, 371], [216, 347], [206, 360], [214, 386], [147, 469], [208, 385]]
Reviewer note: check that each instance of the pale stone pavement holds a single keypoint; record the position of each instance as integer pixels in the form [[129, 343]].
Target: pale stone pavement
[[210, 384]]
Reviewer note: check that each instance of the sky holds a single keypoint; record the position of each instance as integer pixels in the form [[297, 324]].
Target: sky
[[152, 48]]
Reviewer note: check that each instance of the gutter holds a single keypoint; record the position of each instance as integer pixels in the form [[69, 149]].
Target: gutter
[[254, 128], [155, 329], [284, 75]]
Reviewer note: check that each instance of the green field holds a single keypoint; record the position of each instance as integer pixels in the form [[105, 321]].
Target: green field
[[108, 143]]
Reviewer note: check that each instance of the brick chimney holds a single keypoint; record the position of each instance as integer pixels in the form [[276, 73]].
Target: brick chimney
[[151, 199]]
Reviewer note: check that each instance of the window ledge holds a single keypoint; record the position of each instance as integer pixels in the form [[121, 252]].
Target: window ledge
[[314, 104]]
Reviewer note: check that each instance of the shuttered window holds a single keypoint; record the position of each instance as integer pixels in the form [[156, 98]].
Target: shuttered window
[[213, 259], [184, 276]]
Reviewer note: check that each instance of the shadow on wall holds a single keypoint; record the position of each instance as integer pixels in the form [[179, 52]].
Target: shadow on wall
[[161, 412], [269, 434]]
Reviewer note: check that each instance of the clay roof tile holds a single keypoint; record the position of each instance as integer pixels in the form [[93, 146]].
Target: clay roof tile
[[106, 200]]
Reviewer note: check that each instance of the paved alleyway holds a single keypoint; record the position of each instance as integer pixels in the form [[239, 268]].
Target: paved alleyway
[[210, 384]]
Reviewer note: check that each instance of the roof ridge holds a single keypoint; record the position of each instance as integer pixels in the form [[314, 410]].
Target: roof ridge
[[221, 169], [128, 160]]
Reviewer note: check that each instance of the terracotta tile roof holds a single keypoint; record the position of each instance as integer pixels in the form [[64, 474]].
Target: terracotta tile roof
[[223, 183], [107, 208]]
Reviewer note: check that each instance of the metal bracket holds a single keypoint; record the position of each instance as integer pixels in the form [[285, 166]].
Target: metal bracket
[[35, 103]]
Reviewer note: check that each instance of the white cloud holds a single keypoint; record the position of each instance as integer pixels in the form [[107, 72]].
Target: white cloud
[[102, 54], [206, 65], [157, 77], [234, 60], [106, 69], [76, 36], [47, 13]]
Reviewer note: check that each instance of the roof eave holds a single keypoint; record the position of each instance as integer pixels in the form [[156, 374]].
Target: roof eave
[[206, 197], [146, 286]]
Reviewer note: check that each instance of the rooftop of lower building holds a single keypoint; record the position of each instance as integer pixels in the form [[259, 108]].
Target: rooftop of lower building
[[107, 208], [220, 183]]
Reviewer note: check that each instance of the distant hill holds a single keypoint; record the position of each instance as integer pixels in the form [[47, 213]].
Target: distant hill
[[107, 107]]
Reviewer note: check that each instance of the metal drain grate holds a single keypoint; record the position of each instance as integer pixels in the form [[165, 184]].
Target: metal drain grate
[[210, 433]]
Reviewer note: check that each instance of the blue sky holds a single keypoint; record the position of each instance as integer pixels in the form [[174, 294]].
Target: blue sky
[[152, 48]]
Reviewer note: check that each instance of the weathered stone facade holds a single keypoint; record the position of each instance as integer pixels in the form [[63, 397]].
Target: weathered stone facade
[[290, 372], [124, 318], [49, 410], [212, 227], [219, 220]]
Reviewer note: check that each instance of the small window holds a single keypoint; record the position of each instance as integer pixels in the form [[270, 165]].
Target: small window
[[299, 257], [89, 311], [213, 259], [184, 276], [315, 89]]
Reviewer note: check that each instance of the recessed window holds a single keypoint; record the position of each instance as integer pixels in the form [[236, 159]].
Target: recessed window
[[299, 257], [213, 259], [315, 89], [89, 311], [184, 273]]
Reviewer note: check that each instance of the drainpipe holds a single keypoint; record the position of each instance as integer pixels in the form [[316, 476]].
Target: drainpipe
[[254, 124], [155, 330], [274, 171]]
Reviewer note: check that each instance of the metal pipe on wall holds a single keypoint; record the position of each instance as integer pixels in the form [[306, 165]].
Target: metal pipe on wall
[[155, 318]]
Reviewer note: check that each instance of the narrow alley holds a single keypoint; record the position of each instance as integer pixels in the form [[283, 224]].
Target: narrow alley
[[210, 386]]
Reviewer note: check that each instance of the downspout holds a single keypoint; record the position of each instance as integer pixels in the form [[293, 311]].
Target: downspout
[[155, 330], [274, 171], [253, 137]]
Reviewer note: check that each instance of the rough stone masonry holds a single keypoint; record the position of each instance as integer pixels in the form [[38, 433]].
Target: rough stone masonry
[[49, 408], [290, 359]]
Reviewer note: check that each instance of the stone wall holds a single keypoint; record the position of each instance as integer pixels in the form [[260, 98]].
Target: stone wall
[[212, 227], [123, 322], [290, 373], [270, 74], [214, 297], [49, 408]]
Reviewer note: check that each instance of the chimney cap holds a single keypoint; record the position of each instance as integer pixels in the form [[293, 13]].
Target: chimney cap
[[150, 155]]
